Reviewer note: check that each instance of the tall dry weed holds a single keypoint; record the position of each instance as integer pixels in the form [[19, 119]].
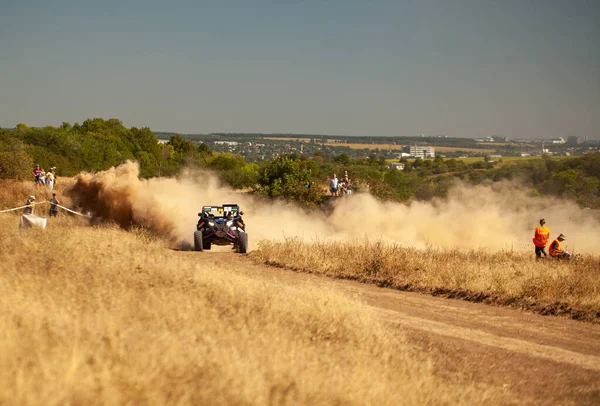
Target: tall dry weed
[[513, 277]]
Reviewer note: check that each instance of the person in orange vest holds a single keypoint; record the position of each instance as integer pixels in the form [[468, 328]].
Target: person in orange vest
[[556, 249], [540, 239]]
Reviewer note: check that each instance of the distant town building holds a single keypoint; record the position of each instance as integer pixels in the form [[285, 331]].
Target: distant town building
[[417, 151], [230, 143], [396, 165], [573, 140], [163, 141], [559, 140], [499, 138]]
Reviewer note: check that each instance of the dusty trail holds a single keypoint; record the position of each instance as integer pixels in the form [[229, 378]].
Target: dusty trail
[[542, 360]]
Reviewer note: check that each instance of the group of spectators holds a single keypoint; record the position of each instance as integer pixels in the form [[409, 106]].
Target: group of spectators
[[339, 187], [43, 178], [47, 179]]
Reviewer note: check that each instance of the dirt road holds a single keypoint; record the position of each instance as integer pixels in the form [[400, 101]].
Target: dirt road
[[540, 359]]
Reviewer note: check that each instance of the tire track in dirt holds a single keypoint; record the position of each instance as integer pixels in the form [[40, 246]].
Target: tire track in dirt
[[548, 352], [548, 359]]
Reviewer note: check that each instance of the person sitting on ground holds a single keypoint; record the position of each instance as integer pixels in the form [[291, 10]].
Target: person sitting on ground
[[556, 249], [30, 202], [53, 212]]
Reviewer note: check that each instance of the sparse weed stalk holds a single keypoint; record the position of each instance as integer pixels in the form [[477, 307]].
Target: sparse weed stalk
[[144, 234]]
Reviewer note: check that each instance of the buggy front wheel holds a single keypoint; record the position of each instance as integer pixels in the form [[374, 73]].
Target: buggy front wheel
[[198, 241], [243, 244]]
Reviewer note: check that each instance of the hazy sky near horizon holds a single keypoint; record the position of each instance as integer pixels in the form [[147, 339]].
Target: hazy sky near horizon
[[472, 68]]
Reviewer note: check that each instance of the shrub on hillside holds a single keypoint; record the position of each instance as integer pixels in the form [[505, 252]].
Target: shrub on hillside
[[284, 178], [15, 163]]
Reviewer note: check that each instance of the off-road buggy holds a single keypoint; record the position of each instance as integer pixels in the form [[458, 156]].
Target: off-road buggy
[[221, 225]]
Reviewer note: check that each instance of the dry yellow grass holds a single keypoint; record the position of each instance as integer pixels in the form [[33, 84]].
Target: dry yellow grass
[[290, 139], [454, 149], [364, 146], [332, 143], [98, 315], [15, 193], [572, 288]]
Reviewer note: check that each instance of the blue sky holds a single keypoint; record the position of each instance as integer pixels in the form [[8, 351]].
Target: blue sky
[[472, 68]]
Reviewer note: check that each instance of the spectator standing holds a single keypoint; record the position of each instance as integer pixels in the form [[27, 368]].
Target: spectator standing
[[333, 185], [42, 181], [540, 238], [37, 174], [53, 212], [50, 179]]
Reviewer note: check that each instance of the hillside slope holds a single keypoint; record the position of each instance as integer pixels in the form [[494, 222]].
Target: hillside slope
[[549, 359]]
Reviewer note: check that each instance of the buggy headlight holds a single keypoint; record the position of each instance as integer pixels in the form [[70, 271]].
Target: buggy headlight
[[211, 223], [229, 223]]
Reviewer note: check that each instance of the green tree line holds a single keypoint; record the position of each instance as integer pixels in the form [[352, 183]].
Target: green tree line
[[98, 144]]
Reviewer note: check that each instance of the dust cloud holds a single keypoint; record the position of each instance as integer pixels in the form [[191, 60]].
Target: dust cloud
[[501, 216]]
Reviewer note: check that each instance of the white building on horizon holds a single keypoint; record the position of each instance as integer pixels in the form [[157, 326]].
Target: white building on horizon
[[397, 165], [230, 143], [422, 151]]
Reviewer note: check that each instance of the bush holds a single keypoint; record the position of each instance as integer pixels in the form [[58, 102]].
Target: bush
[[285, 178], [15, 163]]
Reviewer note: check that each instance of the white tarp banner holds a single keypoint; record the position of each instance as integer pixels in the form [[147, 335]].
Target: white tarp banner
[[31, 220]]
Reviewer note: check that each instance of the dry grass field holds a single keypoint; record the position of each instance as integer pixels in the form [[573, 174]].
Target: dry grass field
[[351, 145], [99, 315], [15, 193], [454, 149], [398, 147], [364, 146], [289, 139], [509, 278]]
